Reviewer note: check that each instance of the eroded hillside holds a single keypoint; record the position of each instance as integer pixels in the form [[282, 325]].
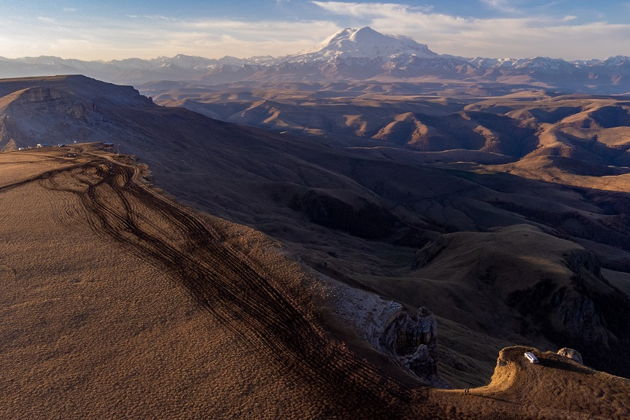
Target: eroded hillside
[[570, 139], [120, 302], [463, 259]]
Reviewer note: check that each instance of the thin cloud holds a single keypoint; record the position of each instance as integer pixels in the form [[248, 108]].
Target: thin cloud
[[45, 19], [148, 36], [521, 36], [140, 36], [370, 9], [501, 5]]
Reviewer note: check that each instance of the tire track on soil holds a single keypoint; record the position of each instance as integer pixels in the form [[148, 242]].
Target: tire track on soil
[[225, 283]]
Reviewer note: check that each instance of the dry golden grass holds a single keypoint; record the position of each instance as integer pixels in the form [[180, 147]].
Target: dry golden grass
[[557, 388], [93, 328]]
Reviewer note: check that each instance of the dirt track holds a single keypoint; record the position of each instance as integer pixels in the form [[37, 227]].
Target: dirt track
[[254, 304], [224, 281]]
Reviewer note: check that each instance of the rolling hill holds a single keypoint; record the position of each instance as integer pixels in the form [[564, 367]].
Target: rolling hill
[[339, 257], [572, 139]]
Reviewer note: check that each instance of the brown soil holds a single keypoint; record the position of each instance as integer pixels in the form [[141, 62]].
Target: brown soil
[[121, 303]]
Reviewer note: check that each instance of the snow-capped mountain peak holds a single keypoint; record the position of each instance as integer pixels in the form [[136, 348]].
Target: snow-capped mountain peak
[[350, 54], [367, 43]]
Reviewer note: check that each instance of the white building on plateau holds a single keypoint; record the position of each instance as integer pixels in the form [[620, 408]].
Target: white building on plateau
[[531, 357]]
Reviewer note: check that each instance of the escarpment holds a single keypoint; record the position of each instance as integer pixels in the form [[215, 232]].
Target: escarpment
[[411, 337], [520, 279], [587, 312], [407, 336]]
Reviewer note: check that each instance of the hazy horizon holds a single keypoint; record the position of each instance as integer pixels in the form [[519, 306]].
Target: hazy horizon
[[487, 28]]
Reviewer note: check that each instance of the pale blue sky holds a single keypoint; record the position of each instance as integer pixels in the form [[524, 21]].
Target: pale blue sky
[[498, 28]]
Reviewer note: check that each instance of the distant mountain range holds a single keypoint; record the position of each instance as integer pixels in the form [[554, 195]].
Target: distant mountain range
[[349, 55]]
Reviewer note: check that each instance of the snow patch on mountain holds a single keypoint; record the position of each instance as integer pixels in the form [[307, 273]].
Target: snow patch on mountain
[[350, 54], [364, 43]]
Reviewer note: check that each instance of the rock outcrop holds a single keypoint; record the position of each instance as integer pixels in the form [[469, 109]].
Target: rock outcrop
[[65, 108], [411, 336], [571, 354], [547, 289], [408, 336]]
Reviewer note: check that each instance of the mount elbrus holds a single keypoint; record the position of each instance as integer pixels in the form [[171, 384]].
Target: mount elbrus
[[351, 54]]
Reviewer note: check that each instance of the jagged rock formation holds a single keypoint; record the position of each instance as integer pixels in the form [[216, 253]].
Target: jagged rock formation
[[412, 337], [571, 354], [408, 336]]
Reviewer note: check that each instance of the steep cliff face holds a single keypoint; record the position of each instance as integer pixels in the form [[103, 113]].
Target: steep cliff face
[[46, 99], [411, 336], [7, 133], [45, 115], [64, 109], [531, 287], [587, 313], [407, 336]]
